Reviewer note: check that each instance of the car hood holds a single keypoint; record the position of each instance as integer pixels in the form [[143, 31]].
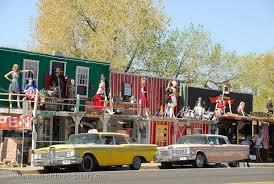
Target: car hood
[[58, 148]]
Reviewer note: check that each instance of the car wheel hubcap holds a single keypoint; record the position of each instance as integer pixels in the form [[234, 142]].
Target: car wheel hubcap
[[87, 164], [200, 161], [137, 162]]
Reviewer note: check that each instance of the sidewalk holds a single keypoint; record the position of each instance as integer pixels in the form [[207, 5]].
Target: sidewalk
[[38, 170]]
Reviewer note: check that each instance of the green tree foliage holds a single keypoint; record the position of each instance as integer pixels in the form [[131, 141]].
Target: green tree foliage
[[119, 31], [191, 55], [257, 77]]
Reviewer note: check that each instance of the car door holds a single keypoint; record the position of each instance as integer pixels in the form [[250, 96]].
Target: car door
[[229, 150], [215, 151], [223, 150], [122, 153], [106, 151]]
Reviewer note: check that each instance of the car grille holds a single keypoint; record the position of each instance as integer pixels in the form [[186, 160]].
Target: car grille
[[60, 154], [181, 152], [164, 153]]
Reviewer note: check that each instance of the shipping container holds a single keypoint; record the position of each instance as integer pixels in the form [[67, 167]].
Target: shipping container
[[44, 65], [126, 85], [166, 131]]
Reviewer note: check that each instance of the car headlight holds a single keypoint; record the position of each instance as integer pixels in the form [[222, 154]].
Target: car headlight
[[71, 154]]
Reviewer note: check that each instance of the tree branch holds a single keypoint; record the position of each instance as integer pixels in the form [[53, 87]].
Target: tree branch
[[130, 62]]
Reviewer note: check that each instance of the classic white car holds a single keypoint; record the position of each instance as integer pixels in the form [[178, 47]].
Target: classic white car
[[201, 149]]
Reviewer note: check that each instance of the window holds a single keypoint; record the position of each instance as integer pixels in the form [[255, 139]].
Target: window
[[192, 140], [82, 80], [213, 139], [57, 64], [84, 139], [30, 65], [120, 140], [221, 140], [108, 140]]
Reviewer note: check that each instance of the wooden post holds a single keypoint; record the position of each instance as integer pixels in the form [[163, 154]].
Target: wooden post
[[34, 122], [77, 108]]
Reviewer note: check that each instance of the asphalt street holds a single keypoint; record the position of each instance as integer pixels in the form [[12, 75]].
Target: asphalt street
[[151, 176]]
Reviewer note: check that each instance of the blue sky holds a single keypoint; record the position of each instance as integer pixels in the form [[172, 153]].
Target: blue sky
[[240, 25]]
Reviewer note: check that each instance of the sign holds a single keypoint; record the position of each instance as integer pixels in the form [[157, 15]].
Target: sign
[[226, 99], [47, 113], [127, 89], [15, 122]]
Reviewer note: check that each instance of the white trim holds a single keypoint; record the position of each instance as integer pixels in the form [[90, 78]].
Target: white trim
[[56, 61], [76, 80], [24, 67]]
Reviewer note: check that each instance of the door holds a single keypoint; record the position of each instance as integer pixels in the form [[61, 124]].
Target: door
[[225, 149], [123, 151], [106, 153], [215, 152]]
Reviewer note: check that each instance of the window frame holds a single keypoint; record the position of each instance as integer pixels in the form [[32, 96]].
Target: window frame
[[119, 136], [56, 61], [24, 68], [217, 140], [103, 139], [76, 80], [223, 140]]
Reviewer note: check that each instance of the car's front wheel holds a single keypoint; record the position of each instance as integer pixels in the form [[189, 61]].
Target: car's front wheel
[[199, 162], [136, 163], [50, 169], [88, 164], [166, 165]]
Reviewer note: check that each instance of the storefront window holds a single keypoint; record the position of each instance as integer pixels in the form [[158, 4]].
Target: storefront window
[[30, 65], [82, 80]]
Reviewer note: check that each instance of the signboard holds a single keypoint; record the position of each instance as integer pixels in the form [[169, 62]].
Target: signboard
[[127, 89], [15, 122], [47, 113]]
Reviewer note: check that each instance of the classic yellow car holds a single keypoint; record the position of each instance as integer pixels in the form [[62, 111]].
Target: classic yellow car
[[89, 151]]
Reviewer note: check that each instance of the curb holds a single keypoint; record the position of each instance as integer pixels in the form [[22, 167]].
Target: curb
[[144, 167]]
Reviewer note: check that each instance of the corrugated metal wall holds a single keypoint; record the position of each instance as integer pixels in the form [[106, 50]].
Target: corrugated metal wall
[[166, 131], [155, 89], [9, 56]]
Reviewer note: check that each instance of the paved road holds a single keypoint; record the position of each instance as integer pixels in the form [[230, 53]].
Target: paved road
[[183, 175]]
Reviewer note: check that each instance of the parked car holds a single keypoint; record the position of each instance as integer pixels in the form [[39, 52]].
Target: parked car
[[201, 149], [89, 151]]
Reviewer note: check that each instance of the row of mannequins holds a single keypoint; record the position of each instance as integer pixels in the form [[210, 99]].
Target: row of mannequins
[[220, 109], [63, 87]]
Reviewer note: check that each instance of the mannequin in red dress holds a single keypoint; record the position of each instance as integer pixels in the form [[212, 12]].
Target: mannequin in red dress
[[100, 99], [144, 96]]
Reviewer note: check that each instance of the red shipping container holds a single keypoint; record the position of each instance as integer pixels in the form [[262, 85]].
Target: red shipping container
[[155, 89]]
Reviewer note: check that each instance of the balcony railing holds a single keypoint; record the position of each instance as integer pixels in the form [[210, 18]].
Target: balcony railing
[[43, 102]]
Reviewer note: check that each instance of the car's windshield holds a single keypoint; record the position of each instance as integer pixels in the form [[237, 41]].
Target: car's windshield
[[84, 139], [192, 140]]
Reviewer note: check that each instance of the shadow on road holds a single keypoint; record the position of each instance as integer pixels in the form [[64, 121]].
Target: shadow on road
[[126, 168]]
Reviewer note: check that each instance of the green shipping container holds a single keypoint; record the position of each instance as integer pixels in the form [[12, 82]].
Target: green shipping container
[[86, 73]]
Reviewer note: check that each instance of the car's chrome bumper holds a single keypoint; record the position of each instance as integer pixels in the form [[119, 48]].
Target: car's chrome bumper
[[175, 158], [57, 162]]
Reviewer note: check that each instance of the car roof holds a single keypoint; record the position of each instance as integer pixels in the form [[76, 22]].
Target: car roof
[[206, 135], [104, 133]]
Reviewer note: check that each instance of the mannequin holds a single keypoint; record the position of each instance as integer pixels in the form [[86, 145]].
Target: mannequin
[[144, 96], [14, 84], [173, 102]]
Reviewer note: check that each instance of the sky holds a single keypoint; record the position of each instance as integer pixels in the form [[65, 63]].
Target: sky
[[239, 25]]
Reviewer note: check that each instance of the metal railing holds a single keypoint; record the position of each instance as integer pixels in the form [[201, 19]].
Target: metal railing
[[77, 104]]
